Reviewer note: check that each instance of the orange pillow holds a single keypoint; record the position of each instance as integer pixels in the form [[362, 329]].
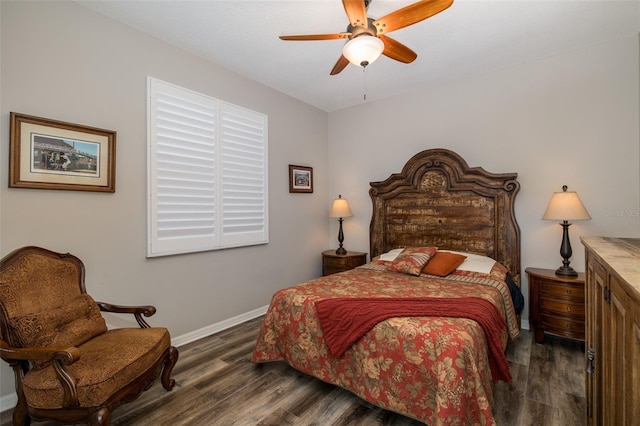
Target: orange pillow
[[443, 263]]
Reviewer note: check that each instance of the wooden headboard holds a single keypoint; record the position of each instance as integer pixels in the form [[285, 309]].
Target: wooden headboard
[[438, 200]]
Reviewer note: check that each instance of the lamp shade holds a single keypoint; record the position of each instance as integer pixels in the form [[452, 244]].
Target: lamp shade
[[363, 50], [340, 208], [565, 205]]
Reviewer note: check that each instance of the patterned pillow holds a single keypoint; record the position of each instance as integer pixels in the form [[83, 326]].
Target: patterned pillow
[[443, 263], [412, 260], [71, 324]]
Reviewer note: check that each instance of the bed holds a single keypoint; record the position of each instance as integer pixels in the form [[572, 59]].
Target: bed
[[407, 332]]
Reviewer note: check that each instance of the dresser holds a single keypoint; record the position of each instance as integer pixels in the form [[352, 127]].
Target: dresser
[[613, 330], [556, 304], [333, 263]]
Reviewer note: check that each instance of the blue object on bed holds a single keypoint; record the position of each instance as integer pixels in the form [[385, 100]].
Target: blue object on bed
[[516, 295]]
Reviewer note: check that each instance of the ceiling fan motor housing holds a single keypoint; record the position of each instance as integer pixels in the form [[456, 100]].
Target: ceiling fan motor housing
[[359, 30]]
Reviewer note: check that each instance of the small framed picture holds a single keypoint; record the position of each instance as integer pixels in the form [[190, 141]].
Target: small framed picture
[[300, 179], [50, 154]]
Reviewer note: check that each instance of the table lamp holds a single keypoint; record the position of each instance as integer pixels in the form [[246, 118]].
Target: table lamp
[[340, 209], [565, 206]]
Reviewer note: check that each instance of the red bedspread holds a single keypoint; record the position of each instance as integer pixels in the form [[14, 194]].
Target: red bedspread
[[345, 320], [435, 369]]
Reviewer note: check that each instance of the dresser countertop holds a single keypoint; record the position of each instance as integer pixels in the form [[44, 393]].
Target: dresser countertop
[[623, 255]]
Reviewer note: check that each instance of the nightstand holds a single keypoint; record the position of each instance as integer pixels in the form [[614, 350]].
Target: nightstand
[[556, 304], [333, 263]]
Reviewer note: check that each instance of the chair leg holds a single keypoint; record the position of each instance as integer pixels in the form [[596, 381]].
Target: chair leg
[[101, 417], [20, 418], [169, 362], [20, 415]]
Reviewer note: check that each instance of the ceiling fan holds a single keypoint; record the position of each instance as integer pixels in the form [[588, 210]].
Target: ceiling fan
[[367, 36]]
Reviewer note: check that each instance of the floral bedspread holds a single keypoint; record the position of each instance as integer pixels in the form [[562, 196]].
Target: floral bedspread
[[433, 369]]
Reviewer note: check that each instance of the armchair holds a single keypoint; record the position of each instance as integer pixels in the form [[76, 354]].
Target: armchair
[[68, 366]]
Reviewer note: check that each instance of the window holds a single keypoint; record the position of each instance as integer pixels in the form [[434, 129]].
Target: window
[[207, 173]]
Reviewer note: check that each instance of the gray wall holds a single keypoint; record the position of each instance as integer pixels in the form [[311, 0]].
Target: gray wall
[[570, 119], [62, 61]]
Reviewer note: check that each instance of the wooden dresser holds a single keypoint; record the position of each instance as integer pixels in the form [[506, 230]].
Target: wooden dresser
[[556, 304], [613, 330]]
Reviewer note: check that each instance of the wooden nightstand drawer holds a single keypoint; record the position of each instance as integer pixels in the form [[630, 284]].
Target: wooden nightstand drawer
[[562, 307], [333, 263], [563, 290], [556, 304], [563, 326], [327, 270]]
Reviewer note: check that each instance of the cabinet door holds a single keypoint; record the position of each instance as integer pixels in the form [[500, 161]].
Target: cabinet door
[[590, 338], [616, 345], [633, 354], [595, 285]]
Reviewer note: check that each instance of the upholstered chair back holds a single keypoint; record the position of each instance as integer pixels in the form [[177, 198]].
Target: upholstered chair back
[[44, 303]]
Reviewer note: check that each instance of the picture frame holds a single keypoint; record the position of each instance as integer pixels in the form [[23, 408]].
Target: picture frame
[[300, 179], [52, 154]]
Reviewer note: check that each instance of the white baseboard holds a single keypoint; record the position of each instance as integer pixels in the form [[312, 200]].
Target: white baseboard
[[7, 402], [524, 324], [218, 327]]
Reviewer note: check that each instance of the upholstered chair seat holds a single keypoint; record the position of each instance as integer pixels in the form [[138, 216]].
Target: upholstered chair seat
[[68, 366], [122, 355]]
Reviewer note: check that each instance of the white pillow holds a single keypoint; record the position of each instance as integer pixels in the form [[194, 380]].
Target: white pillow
[[475, 262], [391, 255]]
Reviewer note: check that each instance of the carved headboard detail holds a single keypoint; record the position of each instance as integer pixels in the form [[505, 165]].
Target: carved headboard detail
[[438, 200]]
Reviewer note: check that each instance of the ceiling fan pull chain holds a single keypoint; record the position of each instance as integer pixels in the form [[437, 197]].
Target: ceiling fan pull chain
[[364, 83]]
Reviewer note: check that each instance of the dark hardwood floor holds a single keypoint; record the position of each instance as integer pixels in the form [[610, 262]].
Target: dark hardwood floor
[[218, 385]]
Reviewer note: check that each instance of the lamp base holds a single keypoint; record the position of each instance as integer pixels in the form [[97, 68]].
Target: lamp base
[[565, 251], [566, 271], [341, 250]]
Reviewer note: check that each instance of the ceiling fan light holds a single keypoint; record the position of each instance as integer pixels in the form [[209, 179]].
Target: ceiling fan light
[[363, 50]]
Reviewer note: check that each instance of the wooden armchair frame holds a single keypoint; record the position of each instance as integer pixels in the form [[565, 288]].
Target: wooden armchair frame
[[21, 360]]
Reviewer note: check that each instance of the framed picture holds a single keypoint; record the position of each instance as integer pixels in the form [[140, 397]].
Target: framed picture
[[300, 179], [50, 154]]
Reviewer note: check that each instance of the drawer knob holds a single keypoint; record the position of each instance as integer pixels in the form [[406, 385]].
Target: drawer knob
[[569, 325], [568, 308], [568, 291]]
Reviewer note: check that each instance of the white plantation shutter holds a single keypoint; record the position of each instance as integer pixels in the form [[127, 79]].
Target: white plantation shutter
[[244, 175], [207, 164]]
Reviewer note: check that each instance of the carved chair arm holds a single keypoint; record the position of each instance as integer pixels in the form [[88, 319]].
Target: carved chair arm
[[66, 355], [58, 356], [137, 311]]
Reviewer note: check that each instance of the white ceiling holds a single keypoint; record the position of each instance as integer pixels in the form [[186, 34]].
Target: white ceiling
[[471, 37]]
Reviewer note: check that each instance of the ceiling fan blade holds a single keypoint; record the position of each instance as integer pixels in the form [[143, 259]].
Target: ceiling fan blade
[[409, 15], [308, 37], [356, 12], [398, 51], [340, 65]]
